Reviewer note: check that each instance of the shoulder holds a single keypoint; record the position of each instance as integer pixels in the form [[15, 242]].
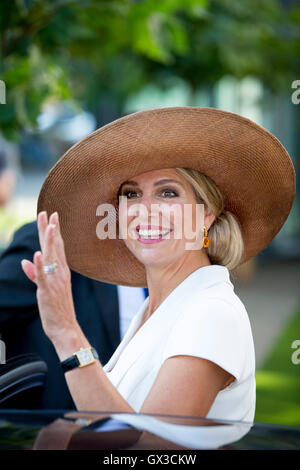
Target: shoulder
[[215, 299], [216, 315], [214, 325], [224, 314]]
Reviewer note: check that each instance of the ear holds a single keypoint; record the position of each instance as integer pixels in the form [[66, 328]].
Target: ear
[[209, 217], [29, 269]]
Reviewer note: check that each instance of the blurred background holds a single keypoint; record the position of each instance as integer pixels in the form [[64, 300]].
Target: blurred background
[[69, 67]]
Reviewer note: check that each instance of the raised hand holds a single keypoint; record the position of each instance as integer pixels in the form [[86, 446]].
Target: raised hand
[[54, 292]]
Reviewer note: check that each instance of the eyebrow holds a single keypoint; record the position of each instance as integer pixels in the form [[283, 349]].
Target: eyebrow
[[157, 183]]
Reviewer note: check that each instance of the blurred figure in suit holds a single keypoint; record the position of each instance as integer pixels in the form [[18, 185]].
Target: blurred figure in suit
[[9, 175], [104, 312]]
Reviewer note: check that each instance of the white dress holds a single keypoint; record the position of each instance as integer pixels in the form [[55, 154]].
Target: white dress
[[201, 317]]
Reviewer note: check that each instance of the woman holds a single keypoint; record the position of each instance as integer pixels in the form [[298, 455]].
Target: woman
[[189, 349]]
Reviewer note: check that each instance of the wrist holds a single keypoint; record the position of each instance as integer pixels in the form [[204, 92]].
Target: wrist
[[69, 341]]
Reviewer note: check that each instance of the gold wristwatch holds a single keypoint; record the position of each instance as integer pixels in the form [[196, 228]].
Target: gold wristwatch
[[82, 358]]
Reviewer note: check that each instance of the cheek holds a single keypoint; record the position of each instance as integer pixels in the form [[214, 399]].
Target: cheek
[[128, 219], [122, 219], [177, 220], [177, 214], [188, 217]]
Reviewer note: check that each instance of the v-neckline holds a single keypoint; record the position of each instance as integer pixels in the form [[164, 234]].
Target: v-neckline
[[140, 325], [202, 278], [133, 329]]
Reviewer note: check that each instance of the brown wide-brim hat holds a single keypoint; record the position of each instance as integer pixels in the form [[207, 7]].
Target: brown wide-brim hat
[[250, 166]]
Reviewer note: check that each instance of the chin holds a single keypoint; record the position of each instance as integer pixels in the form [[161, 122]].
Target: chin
[[148, 259]]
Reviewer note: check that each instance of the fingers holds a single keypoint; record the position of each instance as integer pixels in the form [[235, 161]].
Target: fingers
[[52, 247], [34, 271], [29, 269], [58, 252], [49, 251], [58, 240], [46, 237], [42, 222], [41, 276]]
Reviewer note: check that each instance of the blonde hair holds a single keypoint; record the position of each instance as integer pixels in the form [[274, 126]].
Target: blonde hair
[[225, 234]]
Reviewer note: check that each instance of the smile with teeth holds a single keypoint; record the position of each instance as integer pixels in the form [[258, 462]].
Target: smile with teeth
[[143, 233]]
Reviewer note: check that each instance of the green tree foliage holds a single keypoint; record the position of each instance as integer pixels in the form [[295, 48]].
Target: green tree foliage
[[94, 51]]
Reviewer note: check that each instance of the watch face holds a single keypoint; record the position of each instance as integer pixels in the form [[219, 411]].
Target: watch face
[[85, 357]]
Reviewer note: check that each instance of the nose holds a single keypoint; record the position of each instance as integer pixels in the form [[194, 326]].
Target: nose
[[150, 211]]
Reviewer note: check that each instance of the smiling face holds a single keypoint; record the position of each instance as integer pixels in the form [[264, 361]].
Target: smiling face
[[151, 217]]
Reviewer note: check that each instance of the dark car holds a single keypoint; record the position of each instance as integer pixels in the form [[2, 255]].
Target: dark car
[[36, 429], [73, 430]]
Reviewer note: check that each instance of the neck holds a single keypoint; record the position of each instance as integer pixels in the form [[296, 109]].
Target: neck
[[163, 279]]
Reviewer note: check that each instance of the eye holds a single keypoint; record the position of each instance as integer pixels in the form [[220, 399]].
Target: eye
[[170, 191], [127, 193]]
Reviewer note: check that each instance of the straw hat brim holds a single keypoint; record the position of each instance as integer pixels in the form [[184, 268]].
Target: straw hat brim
[[250, 166]]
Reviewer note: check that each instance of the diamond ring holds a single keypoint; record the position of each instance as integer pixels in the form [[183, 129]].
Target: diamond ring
[[51, 268]]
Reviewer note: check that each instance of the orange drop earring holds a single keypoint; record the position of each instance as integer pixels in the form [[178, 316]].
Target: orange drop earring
[[206, 239]]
